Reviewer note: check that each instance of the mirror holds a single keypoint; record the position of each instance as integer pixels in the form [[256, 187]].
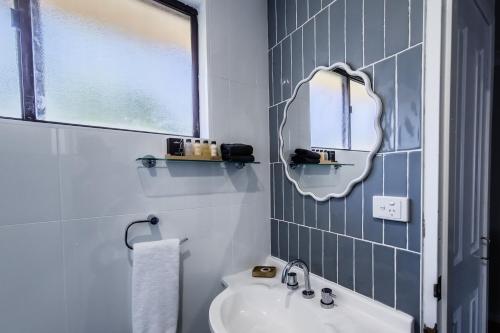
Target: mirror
[[330, 132]]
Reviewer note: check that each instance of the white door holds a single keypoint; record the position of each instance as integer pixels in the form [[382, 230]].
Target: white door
[[470, 118]]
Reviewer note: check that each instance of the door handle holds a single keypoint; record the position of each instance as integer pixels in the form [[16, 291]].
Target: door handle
[[486, 240]]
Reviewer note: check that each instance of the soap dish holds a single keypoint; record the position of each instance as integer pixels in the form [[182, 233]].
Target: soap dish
[[264, 271]]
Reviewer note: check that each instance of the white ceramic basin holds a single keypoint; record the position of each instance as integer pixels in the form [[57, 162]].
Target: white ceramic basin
[[258, 305]]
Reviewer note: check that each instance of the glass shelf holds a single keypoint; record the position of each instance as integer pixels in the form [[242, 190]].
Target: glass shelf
[[153, 162], [336, 165]]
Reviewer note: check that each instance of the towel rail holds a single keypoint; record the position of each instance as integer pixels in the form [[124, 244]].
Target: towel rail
[[152, 219]]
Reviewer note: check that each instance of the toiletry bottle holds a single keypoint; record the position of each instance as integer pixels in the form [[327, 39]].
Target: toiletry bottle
[[213, 150], [205, 149], [197, 148], [188, 147], [332, 156]]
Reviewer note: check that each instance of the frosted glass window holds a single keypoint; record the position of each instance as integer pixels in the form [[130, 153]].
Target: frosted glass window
[[117, 63], [329, 119], [363, 118], [10, 100]]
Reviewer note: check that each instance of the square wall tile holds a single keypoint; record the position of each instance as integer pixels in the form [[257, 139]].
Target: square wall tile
[[395, 173], [325, 3], [346, 262], [32, 279], [310, 211], [369, 72], [337, 31], [283, 240], [408, 284], [414, 193], [98, 274], [314, 7], [288, 199], [316, 252], [278, 191], [297, 74], [304, 244], [293, 241], [275, 249], [30, 174], [337, 216], [302, 12], [271, 22], [354, 212], [280, 19], [308, 51], [270, 76], [374, 30], [409, 64], [395, 178], [271, 188], [363, 268], [322, 40], [372, 186], [385, 87], [354, 33], [330, 256], [286, 68], [396, 26], [273, 134], [276, 63], [383, 274], [298, 207], [323, 215], [416, 21], [291, 15]]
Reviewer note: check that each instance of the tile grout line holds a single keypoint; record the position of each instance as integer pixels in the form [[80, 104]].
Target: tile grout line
[[337, 261], [363, 30], [383, 193], [328, 8], [396, 106], [345, 30], [322, 254], [354, 265], [58, 134], [408, 196], [409, 23], [362, 210], [373, 270], [385, 29], [395, 278], [281, 75], [356, 238]]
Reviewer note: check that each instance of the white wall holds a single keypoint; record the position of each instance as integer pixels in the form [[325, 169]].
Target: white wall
[[67, 193]]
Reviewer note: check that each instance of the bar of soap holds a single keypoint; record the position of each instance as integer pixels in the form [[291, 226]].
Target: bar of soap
[[264, 271]]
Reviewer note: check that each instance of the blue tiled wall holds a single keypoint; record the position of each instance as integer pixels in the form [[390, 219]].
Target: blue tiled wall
[[339, 238]]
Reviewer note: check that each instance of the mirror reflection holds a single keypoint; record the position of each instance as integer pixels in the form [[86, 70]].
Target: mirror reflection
[[331, 131]]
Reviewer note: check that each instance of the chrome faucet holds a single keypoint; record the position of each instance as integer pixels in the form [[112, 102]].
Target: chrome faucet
[[292, 282]]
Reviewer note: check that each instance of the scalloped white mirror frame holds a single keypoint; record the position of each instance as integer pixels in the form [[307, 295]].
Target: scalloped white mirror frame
[[378, 130]]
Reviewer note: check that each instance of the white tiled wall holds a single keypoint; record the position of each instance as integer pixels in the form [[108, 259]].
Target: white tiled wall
[[67, 193]]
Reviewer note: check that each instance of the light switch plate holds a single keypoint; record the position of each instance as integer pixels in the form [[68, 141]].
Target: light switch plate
[[391, 208]]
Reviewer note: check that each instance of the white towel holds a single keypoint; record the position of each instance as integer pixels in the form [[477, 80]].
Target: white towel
[[155, 286]]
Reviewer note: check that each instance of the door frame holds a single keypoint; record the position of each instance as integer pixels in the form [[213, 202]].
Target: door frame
[[436, 69], [440, 17]]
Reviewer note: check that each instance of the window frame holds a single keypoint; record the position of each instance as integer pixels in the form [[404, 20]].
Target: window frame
[[21, 16]]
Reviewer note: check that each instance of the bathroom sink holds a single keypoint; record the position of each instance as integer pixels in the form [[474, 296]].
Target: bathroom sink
[[260, 305]]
